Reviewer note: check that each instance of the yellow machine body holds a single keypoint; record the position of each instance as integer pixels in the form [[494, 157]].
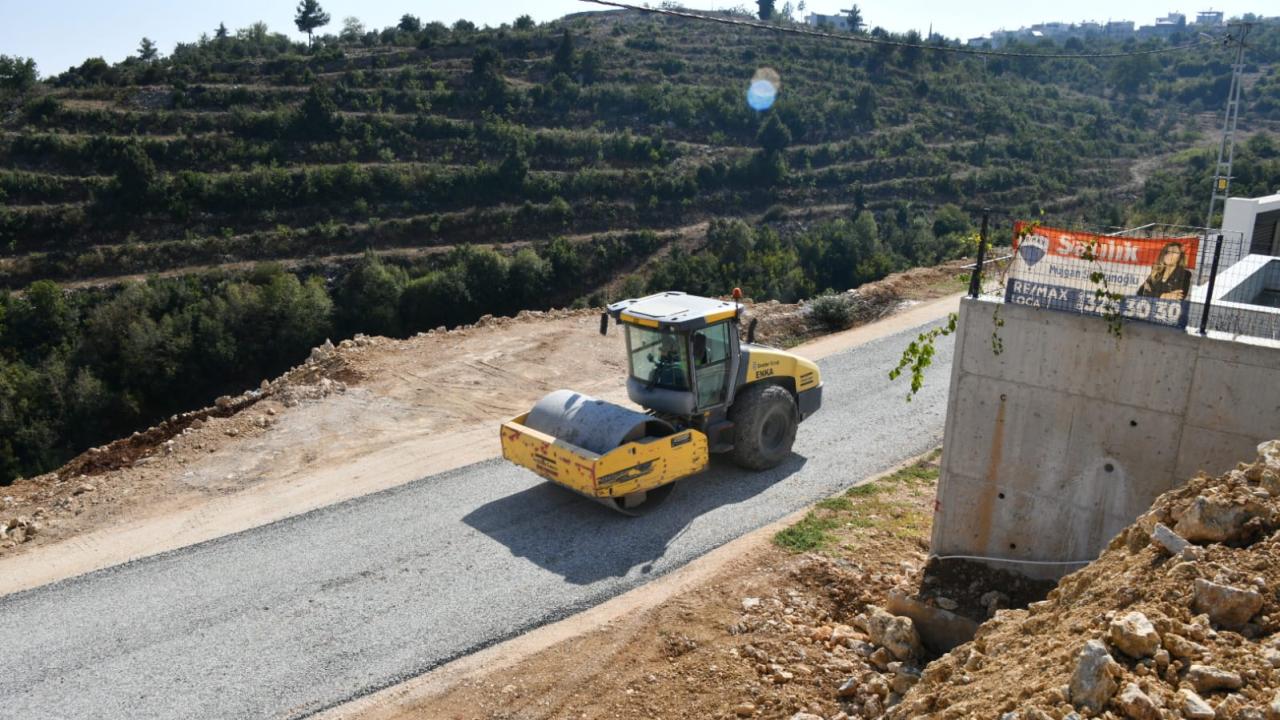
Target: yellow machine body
[[634, 467], [702, 390], [764, 364]]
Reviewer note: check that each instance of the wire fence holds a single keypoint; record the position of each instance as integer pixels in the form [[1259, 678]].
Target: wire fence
[[1182, 277]]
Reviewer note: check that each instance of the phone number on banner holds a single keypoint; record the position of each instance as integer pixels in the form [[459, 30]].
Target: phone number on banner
[[1057, 297]]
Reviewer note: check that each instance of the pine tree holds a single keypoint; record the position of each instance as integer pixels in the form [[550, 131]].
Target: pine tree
[[766, 8], [221, 32], [774, 135], [310, 16], [855, 20], [564, 54], [147, 51]]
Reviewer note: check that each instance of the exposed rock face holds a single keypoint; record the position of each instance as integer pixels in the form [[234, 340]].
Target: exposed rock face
[[1093, 682], [1134, 635], [1226, 605]]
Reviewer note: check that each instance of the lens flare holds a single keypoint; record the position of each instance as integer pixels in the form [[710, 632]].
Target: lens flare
[[763, 90]]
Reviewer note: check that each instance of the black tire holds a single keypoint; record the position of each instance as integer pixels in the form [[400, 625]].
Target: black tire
[[764, 426]]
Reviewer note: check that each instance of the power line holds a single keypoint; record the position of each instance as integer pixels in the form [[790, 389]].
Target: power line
[[869, 40]]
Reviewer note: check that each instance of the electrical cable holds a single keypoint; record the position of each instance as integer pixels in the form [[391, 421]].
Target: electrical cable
[[871, 40]]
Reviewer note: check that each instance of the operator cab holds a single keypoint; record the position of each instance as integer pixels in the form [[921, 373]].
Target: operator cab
[[682, 351]]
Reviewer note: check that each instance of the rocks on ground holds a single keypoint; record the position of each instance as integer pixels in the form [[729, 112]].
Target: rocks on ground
[[1178, 618]]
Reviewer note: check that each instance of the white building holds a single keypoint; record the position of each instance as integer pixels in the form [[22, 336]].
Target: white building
[[839, 22], [1258, 222]]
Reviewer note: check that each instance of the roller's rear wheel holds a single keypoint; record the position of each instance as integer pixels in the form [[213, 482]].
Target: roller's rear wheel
[[764, 426]]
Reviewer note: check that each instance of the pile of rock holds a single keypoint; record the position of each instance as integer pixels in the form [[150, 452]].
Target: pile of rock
[[19, 529], [861, 667], [1179, 618]]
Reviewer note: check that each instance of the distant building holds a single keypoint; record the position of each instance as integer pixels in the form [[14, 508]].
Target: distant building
[[1209, 17], [839, 22], [1120, 27]]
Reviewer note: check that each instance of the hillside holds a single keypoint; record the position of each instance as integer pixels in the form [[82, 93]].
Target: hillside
[[416, 177]]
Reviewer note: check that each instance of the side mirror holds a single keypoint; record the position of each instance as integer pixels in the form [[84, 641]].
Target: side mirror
[[751, 330], [604, 323]]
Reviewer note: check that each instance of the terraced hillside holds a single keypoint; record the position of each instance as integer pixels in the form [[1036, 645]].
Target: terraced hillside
[[248, 148], [419, 176]]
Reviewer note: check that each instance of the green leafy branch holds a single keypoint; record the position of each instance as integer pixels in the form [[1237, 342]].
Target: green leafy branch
[[1110, 302], [919, 354]]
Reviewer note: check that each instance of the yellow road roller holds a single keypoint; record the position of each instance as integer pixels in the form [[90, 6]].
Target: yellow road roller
[[703, 391]]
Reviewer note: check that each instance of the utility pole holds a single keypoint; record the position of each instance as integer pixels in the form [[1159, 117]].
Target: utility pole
[[1227, 149]]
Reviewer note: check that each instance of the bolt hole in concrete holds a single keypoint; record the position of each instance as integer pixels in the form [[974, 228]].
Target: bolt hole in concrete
[[1133, 423], [1013, 546], [1001, 496], [1109, 467]]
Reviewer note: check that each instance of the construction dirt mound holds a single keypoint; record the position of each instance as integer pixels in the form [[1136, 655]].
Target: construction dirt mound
[[1177, 619]]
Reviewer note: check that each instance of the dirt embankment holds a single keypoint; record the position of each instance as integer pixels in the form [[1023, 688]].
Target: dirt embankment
[[1179, 618], [367, 414]]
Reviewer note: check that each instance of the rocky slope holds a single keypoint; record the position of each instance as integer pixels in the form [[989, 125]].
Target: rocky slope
[[1177, 619]]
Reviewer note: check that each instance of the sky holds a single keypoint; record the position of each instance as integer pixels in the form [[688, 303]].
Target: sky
[[63, 33]]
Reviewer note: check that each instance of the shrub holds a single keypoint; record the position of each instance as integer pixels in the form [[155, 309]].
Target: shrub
[[833, 311]]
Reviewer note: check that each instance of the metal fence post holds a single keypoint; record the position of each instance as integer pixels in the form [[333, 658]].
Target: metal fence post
[[975, 277], [1213, 277]]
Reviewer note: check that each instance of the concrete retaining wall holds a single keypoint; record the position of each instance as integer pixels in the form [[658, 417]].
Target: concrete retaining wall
[[1061, 440]]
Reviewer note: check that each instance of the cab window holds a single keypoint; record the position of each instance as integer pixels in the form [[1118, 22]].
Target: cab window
[[711, 363], [658, 358]]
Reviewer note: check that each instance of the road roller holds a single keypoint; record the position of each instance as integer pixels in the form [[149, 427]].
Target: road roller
[[702, 388]]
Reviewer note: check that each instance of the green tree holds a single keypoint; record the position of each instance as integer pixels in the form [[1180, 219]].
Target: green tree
[[564, 57], [766, 8], [368, 298], [318, 116], [17, 74], [528, 279], [352, 29], [911, 52], [524, 22], [864, 106], [136, 176], [855, 19], [731, 241], [438, 298], [513, 170], [410, 23], [589, 65], [221, 33], [147, 51], [1129, 74], [310, 17], [42, 322], [774, 136]]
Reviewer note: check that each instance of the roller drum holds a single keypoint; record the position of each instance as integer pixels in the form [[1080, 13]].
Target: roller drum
[[591, 423]]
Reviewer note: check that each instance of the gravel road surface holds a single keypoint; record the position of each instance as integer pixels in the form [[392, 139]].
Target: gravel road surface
[[291, 618]]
